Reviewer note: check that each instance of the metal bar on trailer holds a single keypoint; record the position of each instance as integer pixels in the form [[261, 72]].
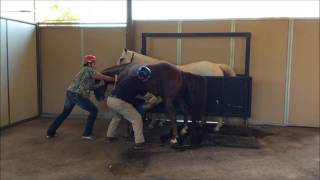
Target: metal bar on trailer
[[205, 34]]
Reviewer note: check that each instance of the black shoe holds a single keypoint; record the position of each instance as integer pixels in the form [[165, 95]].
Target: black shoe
[[111, 139], [139, 146], [51, 136]]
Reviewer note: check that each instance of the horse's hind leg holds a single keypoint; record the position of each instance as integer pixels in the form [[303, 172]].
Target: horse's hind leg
[[172, 116], [184, 110], [219, 124]]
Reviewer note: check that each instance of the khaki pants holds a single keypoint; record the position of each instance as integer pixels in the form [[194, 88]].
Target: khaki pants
[[122, 109]]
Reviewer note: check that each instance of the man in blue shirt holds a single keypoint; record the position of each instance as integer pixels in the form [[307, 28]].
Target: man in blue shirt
[[123, 101]]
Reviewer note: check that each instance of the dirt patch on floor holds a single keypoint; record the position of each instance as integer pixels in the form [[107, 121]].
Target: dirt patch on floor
[[130, 162]]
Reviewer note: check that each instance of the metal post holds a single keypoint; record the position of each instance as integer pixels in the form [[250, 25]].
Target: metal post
[[129, 30]]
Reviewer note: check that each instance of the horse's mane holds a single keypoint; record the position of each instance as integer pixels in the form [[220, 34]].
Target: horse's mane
[[111, 71]]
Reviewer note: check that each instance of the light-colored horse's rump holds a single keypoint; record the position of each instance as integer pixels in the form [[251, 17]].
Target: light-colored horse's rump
[[202, 68], [206, 68]]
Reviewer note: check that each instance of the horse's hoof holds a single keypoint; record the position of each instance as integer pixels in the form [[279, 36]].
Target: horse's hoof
[[184, 131], [173, 141], [217, 129]]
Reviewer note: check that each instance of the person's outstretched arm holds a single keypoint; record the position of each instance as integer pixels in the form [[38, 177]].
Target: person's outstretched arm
[[100, 76]]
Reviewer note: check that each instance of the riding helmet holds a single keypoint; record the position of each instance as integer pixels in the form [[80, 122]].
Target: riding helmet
[[89, 58], [144, 72]]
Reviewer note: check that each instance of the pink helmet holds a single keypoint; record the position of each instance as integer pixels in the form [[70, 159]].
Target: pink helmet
[[89, 58]]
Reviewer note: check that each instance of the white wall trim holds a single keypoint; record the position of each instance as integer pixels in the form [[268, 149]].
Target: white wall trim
[[178, 57], [288, 74], [232, 44], [82, 45]]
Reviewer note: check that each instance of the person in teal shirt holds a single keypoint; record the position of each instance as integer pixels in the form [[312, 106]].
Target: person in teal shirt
[[78, 93]]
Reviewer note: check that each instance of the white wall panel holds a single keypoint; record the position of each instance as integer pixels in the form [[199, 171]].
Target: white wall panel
[[22, 71]]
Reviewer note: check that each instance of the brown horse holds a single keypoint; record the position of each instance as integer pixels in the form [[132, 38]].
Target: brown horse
[[172, 85]]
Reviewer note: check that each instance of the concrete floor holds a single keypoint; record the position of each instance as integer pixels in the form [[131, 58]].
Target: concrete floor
[[289, 153]]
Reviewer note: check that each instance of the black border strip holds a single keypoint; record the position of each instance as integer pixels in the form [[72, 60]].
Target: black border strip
[[19, 122]]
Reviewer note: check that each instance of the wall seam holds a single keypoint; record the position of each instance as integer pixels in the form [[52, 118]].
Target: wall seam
[[39, 69], [82, 46], [8, 83], [232, 44], [178, 51], [288, 73], [0, 76]]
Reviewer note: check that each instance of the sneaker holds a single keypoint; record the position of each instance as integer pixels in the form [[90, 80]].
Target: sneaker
[[51, 136], [139, 146], [90, 137], [111, 139]]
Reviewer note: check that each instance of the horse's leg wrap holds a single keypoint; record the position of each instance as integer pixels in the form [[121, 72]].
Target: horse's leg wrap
[[184, 130], [152, 123], [219, 124], [172, 116]]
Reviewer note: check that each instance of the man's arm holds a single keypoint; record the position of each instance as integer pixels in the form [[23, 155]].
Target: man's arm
[[100, 76]]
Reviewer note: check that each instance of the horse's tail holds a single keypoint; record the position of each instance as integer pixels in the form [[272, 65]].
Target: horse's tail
[[227, 70], [196, 95]]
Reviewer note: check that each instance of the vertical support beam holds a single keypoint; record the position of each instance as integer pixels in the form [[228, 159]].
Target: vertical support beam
[[81, 46], [129, 29], [143, 44], [178, 51], [288, 74], [232, 44], [247, 57], [39, 68], [34, 11]]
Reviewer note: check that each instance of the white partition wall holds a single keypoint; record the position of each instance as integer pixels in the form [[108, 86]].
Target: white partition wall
[[22, 71], [19, 88]]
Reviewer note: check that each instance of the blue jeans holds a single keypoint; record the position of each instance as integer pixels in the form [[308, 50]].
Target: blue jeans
[[140, 110], [71, 100]]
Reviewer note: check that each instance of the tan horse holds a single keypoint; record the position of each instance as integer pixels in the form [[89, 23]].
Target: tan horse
[[202, 68]]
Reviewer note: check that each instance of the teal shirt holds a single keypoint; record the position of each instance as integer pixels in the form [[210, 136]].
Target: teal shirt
[[83, 82]]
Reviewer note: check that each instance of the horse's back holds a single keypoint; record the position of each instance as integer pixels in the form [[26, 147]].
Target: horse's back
[[202, 68], [207, 68], [165, 79], [143, 59], [164, 66]]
